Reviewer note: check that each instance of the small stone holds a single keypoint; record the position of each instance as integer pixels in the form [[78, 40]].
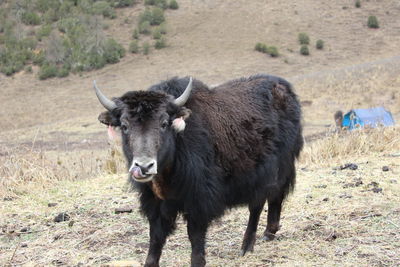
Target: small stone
[[24, 245], [8, 199], [376, 190], [24, 229], [393, 181], [325, 199], [123, 210], [62, 217], [385, 168], [52, 204], [71, 223], [350, 166]]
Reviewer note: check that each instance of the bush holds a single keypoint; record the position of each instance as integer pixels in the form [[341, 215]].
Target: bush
[[30, 18], [304, 50], [273, 51], [163, 28], [320, 44], [144, 27], [135, 34], [104, 8], [160, 3], [157, 34], [28, 69], [38, 58], [146, 48], [303, 38], [134, 47], [63, 72], [173, 4], [113, 51], [157, 16], [123, 3], [146, 15], [47, 71], [261, 47], [50, 16], [43, 31], [161, 43], [358, 4], [373, 22]]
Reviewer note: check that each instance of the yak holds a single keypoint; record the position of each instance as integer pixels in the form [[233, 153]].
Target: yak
[[198, 151]]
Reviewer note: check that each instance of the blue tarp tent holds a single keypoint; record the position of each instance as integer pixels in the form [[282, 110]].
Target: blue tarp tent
[[372, 117]]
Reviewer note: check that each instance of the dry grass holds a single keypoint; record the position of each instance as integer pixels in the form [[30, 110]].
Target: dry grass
[[337, 147]]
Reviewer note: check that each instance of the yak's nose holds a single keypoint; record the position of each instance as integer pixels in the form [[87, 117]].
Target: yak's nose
[[146, 165]]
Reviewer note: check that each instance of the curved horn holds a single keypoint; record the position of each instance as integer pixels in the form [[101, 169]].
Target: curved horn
[[180, 101], [107, 103]]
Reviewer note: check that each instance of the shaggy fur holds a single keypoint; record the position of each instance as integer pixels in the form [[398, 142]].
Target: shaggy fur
[[239, 147]]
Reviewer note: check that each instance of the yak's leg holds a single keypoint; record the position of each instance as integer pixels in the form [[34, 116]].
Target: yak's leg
[[274, 215], [250, 235], [197, 236], [160, 227]]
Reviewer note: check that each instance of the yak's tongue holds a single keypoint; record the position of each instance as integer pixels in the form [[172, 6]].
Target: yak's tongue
[[137, 172]]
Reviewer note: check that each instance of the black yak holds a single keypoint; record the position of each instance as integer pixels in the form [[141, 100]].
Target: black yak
[[198, 151]]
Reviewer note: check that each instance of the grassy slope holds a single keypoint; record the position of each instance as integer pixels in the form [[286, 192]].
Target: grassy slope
[[327, 221]]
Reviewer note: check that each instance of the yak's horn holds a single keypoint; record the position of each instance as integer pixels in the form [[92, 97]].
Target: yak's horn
[[107, 103], [180, 101]]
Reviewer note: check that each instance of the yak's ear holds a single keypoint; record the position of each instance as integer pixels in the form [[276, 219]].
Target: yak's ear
[[179, 123], [108, 119]]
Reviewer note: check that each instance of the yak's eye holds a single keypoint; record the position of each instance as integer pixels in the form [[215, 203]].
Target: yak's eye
[[164, 124], [124, 128]]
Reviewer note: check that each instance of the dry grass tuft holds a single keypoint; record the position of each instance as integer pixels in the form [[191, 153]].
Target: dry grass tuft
[[339, 146]]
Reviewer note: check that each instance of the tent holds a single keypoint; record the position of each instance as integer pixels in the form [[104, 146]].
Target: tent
[[372, 117]]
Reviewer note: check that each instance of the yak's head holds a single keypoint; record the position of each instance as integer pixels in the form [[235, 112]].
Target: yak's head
[[149, 122]]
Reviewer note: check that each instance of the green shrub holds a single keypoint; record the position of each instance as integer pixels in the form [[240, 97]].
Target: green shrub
[[157, 34], [373, 22], [113, 51], [50, 16], [163, 28], [146, 48], [47, 71], [149, 2], [144, 27], [146, 15], [30, 18], [160, 3], [261, 47], [304, 50], [135, 34], [124, 3], [303, 38], [63, 72], [134, 47], [358, 4], [157, 16], [173, 4], [319, 44], [161, 43], [104, 8], [273, 51], [38, 58], [43, 31]]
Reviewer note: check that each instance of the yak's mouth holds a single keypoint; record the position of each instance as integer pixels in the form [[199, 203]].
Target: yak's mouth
[[137, 175]]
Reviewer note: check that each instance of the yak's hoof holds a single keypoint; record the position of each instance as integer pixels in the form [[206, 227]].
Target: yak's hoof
[[269, 236]]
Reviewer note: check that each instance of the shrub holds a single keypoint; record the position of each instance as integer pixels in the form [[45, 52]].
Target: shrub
[[161, 43], [38, 58], [47, 71], [30, 18], [358, 4], [304, 50], [43, 31], [123, 3], [157, 34], [28, 69], [157, 16], [303, 38], [173, 4], [146, 15], [134, 47], [144, 27], [373, 22], [50, 16], [104, 8], [63, 72], [319, 44], [261, 47], [113, 51], [160, 3], [163, 28], [273, 51], [135, 34], [146, 48]]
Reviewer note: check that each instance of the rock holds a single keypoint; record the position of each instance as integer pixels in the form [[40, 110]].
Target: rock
[[325, 199], [393, 181], [123, 210], [350, 166], [385, 168], [71, 223], [52, 204], [376, 190], [24, 229], [24, 245], [61, 217]]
